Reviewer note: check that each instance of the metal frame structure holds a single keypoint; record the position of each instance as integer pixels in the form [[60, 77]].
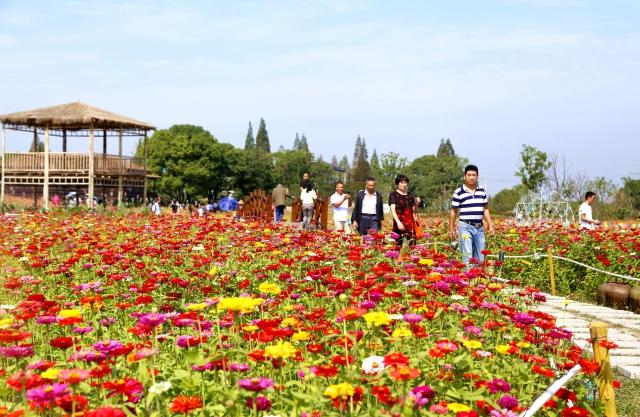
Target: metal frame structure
[[534, 209]]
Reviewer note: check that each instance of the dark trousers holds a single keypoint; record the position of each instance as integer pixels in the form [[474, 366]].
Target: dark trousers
[[367, 223], [279, 212]]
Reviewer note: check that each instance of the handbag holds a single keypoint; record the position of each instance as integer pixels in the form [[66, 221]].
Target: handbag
[[419, 229]]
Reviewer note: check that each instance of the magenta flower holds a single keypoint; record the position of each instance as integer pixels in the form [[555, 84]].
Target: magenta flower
[[45, 395], [255, 384], [412, 318], [261, 403], [498, 385], [508, 402], [239, 367], [421, 395], [152, 319], [108, 347], [523, 319], [16, 351]]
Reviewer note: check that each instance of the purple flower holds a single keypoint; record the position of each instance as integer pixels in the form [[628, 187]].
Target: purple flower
[[421, 395], [442, 287], [508, 402], [474, 330], [459, 308], [261, 403], [412, 318], [45, 394], [367, 304], [16, 351], [46, 320], [108, 321], [255, 384], [88, 356], [83, 330], [152, 319], [503, 413], [393, 254], [497, 384], [108, 347], [239, 367], [523, 319]]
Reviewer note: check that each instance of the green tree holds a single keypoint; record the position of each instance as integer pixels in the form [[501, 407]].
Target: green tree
[[505, 200], [391, 165], [37, 145], [254, 170], [632, 188], [605, 189], [250, 141], [289, 166], [375, 164], [445, 149], [304, 146], [262, 138], [296, 143], [323, 177], [191, 163], [532, 172], [434, 179], [361, 168]]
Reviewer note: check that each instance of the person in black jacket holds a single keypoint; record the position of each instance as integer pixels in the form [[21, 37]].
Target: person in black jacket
[[368, 212]]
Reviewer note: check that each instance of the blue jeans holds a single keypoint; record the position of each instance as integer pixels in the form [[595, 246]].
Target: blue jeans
[[471, 240], [279, 212]]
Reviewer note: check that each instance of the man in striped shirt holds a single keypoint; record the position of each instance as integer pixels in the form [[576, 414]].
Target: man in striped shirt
[[471, 201]]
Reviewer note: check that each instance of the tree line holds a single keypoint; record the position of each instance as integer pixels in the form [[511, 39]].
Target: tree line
[[193, 165]]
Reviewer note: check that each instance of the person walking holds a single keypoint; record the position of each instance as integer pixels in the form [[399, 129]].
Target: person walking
[[403, 205], [308, 199], [585, 213], [341, 202], [471, 201], [279, 196], [368, 211]]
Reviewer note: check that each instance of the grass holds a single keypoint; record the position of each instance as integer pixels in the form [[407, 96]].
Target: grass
[[628, 398]]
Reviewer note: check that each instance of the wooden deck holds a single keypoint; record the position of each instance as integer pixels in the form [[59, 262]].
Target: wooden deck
[[29, 163]]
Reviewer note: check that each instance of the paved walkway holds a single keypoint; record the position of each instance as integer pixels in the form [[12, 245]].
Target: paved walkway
[[624, 330]]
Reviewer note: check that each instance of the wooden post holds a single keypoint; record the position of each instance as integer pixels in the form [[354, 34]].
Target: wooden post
[[324, 213], [120, 169], [45, 186], [91, 168], [551, 271], [598, 330], [144, 167], [64, 140], [4, 156], [435, 246]]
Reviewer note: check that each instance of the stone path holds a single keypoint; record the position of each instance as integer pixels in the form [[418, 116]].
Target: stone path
[[624, 330]]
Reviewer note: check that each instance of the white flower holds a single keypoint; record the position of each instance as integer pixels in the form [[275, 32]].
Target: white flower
[[457, 297], [160, 387], [197, 248], [373, 365], [396, 316]]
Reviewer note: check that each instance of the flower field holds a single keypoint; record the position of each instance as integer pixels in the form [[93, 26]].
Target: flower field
[[114, 315]]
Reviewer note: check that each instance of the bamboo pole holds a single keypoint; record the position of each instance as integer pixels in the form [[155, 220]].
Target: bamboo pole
[[551, 271], [144, 163], [598, 330], [91, 168], [4, 156], [120, 169], [45, 186]]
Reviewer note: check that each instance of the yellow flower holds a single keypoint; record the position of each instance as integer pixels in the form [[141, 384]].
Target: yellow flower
[[242, 304], [427, 262], [402, 332], [512, 230], [504, 349], [343, 391], [196, 307], [283, 350], [458, 408], [213, 270], [301, 336], [51, 373], [5, 323], [377, 318], [472, 344], [69, 314], [289, 322], [269, 288], [524, 345], [250, 328], [276, 252], [494, 286]]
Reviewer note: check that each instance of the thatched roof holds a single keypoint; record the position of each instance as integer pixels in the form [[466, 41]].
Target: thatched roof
[[72, 116]]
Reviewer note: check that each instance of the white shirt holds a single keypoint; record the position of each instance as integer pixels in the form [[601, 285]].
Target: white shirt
[[585, 209], [308, 197], [340, 213], [369, 203]]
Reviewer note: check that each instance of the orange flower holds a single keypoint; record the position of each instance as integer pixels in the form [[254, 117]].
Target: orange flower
[[183, 404], [351, 313], [402, 373]]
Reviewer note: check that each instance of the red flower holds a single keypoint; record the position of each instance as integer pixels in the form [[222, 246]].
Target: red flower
[[575, 412], [183, 404], [396, 358], [61, 342], [608, 344], [402, 373], [383, 394]]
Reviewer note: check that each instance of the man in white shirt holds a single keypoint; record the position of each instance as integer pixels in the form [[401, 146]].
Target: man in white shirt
[[340, 202], [585, 214], [368, 212]]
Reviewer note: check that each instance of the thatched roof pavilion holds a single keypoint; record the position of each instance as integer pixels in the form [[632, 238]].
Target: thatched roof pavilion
[[73, 119]]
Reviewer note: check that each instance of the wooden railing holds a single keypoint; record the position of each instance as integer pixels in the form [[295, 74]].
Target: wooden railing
[[71, 162]]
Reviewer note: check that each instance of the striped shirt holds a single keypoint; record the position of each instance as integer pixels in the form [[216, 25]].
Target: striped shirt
[[471, 205]]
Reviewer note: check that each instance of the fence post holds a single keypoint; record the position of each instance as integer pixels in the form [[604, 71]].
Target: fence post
[[598, 330], [551, 271], [435, 246]]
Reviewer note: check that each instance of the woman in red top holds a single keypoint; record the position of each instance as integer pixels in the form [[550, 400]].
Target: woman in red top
[[403, 204]]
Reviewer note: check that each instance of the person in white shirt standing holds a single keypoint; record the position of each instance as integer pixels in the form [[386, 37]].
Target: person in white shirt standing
[[341, 202], [585, 213]]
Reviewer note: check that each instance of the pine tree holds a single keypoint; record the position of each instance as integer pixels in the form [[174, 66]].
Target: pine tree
[[361, 168], [296, 143], [250, 141], [262, 138], [375, 164], [445, 149], [304, 146]]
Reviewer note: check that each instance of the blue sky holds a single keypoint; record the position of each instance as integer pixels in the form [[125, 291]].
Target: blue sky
[[490, 75]]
